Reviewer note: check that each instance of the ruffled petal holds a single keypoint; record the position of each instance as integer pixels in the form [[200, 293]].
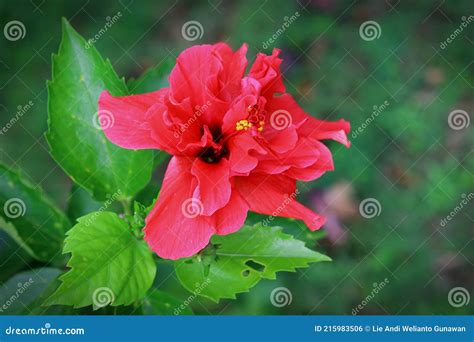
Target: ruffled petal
[[266, 70], [309, 126], [322, 130], [232, 217], [127, 120], [195, 68], [276, 195], [280, 141], [214, 188], [234, 68], [241, 158], [323, 163], [304, 154], [174, 229], [238, 110], [196, 76]]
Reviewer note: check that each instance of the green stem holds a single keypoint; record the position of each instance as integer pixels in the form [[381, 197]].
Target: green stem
[[126, 206]]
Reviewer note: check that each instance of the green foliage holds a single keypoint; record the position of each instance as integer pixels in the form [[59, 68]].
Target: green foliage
[[106, 259], [14, 257], [161, 303], [234, 263], [74, 135], [10, 229], [25, 292], [30, 217], [153, 79], [81, 203]]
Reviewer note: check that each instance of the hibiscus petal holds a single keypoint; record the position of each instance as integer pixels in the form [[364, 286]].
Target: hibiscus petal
[[271, 166], [305, 153], [238, 109], [323, 163], [174, 229], [307, 125], [164, 132], [275, 195], [240, 159], [266, 70], [194, 73], [280, 141], [126, 120], [234, 68], [214, 188], [322, 130], [232, 217]]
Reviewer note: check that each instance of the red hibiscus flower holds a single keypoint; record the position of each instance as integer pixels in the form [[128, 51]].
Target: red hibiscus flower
[[238, 144]]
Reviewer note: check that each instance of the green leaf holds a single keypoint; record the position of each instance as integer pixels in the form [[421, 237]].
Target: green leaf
[[81, 203], [160, 157], [30, 218], [13, 257], [234, 263], [161, 303], [10, 229], [291, 226], [109, 265], [23, 293], [76, 142], [153, 79]]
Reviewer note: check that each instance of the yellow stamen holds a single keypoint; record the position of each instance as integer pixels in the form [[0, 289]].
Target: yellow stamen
[[243, 125]]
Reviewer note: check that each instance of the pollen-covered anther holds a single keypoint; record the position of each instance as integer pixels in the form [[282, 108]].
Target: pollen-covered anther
[[243, 125], [255, 119]]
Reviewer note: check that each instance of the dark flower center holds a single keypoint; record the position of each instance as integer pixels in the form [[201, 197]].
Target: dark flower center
[[218, 150]]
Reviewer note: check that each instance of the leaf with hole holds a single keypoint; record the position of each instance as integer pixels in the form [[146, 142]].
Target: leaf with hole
[[234, 263]]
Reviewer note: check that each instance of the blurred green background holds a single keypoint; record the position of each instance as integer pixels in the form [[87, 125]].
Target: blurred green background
[[407, 157]]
